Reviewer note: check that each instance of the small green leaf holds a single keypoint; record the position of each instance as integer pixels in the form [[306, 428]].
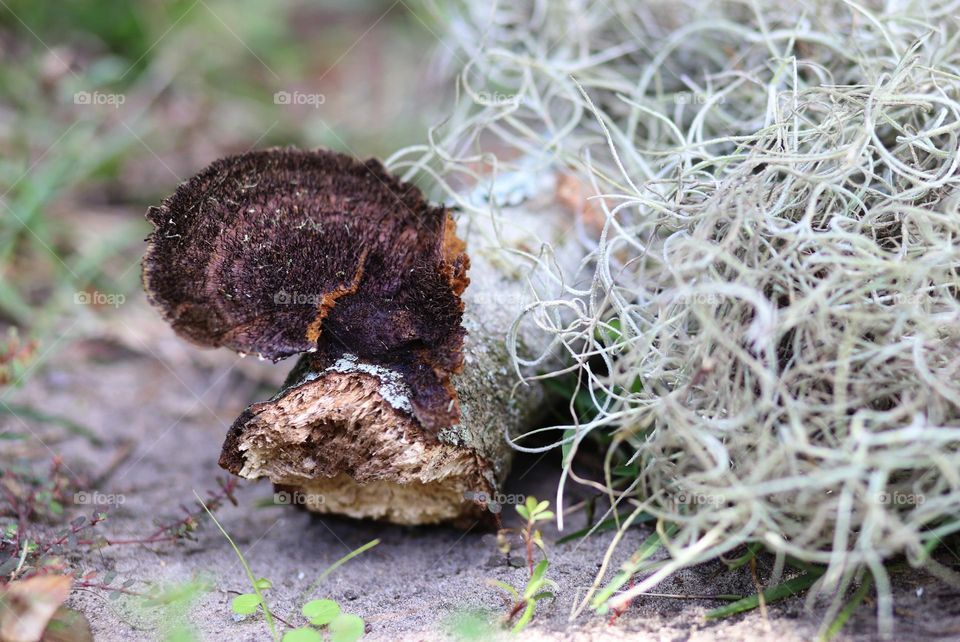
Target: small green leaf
[[524, 513], [263, 584], [626, 471], [506, 587], [525, 618], [320, 612], [532, 588], [567, 446], [537, 580], [539, 570], [346, 628], [542, 506], [612, 330], [537, 539], [531, 505], [245, 604], [545, 515], [302, 634]]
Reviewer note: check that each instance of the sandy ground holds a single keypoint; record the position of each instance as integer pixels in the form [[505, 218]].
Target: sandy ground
[[136, 383]]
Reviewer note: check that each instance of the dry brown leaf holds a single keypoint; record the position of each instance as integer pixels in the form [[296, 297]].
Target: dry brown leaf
[[26, 606]]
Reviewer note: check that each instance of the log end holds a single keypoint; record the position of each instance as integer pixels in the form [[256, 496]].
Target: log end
[[345, 441]]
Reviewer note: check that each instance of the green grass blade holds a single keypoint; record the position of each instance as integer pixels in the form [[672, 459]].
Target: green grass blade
[[650, 546], [340, 562], [526, 617], [752, 550], [246, 567], [855, 600], [774, 593], [806, 567], [506, 587]]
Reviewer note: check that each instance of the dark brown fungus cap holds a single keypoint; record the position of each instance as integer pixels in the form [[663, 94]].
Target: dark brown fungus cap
[[283, 251]]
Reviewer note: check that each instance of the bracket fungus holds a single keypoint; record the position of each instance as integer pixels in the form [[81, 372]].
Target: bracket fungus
[[283, 252]]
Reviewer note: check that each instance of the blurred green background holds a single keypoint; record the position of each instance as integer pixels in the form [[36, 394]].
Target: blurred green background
[[106, 105]]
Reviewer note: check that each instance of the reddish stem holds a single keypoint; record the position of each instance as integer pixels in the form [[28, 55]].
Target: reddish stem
[[618, 612], [528, 538], [519, 606]]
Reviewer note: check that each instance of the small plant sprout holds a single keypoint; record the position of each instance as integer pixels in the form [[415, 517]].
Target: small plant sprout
[[321, 614], [325, 613], [42, 534], [343, 627], [533, 511], [247, 603], [536, 589]]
